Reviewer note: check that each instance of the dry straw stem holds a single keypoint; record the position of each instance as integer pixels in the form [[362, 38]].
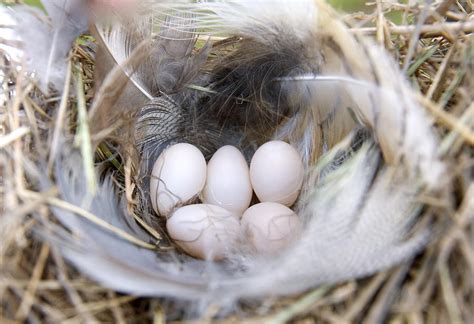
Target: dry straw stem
[[83, 137], [13, 136], [425, 31], [60, 118], [450, 121], [91, 217], [37, 286]]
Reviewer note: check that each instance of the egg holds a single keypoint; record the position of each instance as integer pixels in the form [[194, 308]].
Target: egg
[[270, 227], [178, 175], [204, 231], [276, 173], [228, 180]]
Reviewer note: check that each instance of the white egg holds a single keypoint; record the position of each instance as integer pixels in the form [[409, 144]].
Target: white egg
[[276, 173], [228, 180], [179, 174], [270, 227], [204, 231]]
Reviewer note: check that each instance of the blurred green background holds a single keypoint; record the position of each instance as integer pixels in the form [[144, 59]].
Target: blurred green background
[[348, 5]]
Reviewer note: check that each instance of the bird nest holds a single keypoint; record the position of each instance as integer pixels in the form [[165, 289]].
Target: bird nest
[[79, 241]]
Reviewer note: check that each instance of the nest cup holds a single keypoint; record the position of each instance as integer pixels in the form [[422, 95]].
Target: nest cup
[[243, 73], [339, 100]]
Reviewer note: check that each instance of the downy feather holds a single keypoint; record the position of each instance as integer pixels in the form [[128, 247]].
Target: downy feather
[[47, 39]]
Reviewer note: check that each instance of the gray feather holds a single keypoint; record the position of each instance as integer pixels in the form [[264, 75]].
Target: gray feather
[[46, 40], [353, 228], [171, 63]]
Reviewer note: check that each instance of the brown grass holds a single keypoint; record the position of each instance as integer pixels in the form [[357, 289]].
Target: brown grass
[[437, 286]]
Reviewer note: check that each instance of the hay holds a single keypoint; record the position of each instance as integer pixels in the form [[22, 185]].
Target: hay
[[437, 286]]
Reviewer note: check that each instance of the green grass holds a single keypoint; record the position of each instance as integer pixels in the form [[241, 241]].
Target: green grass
[[33, 3]]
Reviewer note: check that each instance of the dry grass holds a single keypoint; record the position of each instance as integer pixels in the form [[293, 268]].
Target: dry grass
[[437, 286]]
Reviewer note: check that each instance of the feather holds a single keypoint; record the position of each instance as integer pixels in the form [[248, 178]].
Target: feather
[[10, 54], [351, 231], [288, 70], [46, 40], [8, 37], [171, 62], [68, 20]]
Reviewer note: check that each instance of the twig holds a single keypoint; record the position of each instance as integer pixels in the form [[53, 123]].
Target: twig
[[33, 123], [96, 307], [364, 297], [415, 36], [56, 315], [422, 59], [148, 228], [448, 119], [71, 292], [449, 295], [116, 310], [93, 218], [442, 9], [382, 305], [449, 140], [60, 117], [459, 76], [28, 298], [51, 285], [13, 136], [380, 24], [83, 136], [425, 30], [299, 306], [89, 216], [159, 316], [441, 74]]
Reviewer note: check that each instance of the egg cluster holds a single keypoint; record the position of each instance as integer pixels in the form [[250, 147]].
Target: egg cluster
[[225, 187]]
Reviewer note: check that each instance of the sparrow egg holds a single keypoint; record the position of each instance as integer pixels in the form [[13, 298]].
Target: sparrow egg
[[178, 175], [270, 227], [204, 231], [276, 173], [228, 180]]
